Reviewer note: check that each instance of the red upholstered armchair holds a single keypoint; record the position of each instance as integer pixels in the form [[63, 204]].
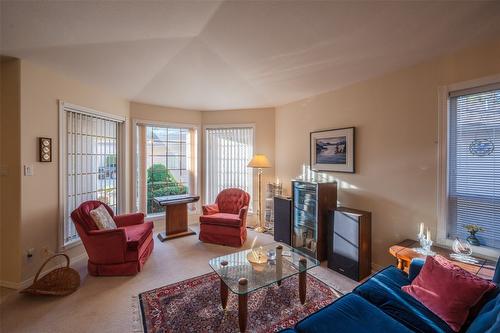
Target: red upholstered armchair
[[120, 251], [225, 221]]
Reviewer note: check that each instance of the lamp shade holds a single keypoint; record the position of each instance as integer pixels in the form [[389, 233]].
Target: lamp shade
[[259, 161]]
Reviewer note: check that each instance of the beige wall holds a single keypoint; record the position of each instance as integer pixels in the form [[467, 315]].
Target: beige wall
[[40, 91], [396, 140], [150, 112], [264, 121], [10, 170]]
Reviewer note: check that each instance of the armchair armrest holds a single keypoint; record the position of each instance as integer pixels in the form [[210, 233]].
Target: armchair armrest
[[210, 209], [415, 267], [129, 219], [106, 246], [243, 212]]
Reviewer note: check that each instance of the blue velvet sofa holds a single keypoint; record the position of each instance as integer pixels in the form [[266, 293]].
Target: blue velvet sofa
[[379, 305]]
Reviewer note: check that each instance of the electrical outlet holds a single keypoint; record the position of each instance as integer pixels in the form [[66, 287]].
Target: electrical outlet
[[30, 252]]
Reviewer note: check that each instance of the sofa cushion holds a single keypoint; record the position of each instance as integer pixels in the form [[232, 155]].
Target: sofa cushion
[[384, 291], [488, 319], [137, 234], [350, 313], [230, 220], [448, 290]]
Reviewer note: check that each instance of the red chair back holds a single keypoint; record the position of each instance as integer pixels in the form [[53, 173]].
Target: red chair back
[[231, 200], [81, 216]]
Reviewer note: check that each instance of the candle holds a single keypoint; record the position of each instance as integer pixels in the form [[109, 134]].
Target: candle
[[277, 181], [428, 234], [421, 232]]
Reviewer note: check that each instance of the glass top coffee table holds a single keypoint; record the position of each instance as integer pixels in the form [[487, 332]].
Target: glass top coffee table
[[242, 277]]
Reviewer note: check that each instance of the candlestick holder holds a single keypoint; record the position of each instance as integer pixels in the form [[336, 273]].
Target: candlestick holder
[[425, 246]]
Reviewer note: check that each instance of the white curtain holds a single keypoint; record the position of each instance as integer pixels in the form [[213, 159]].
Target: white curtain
[[228, 151]]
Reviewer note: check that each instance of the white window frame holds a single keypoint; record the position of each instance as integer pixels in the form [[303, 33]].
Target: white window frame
[[251, 211], [135, 162], [442, 152], [63, 106]]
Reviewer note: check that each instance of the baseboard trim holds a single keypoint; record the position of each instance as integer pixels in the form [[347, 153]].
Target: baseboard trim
[[376, 267], [10, 285], [26, 283]]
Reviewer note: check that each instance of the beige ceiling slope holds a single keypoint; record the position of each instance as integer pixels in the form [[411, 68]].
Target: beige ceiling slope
[[196, 78], [32, 24], [237, 54], [122, 67]]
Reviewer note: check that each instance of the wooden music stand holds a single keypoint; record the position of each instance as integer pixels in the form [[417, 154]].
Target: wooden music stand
[[176, 215]]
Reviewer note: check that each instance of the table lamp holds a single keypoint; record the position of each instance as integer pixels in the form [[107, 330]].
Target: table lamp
[[259, 162]]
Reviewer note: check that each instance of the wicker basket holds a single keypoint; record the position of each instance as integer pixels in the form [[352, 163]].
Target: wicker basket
[[58, 282]]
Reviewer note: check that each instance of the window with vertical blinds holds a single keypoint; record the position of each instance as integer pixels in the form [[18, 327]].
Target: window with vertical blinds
[[91, 163], [474, 163], [227, 153]]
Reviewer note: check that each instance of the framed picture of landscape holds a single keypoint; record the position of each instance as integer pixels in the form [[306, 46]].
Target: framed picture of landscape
[[333, 150]]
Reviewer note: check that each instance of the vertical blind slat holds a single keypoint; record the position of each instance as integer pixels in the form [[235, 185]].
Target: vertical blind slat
[[91, 163], [228, 151]]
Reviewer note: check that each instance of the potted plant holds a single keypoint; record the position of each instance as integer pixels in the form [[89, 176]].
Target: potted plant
[[473, 229]]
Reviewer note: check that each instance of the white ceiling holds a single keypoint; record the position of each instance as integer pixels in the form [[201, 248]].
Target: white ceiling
[[213, 55]]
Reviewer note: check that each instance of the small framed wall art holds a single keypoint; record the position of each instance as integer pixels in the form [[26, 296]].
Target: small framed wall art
[[45, 147], [332, 150]]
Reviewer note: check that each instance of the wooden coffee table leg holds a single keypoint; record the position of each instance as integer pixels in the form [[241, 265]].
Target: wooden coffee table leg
[[224, 292], [243, 305], [302, 281]]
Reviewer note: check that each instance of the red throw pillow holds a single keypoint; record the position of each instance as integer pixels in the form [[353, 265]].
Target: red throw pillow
[[448, 290]]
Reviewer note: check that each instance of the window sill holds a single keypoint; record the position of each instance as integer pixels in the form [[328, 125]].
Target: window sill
[[478, 251]]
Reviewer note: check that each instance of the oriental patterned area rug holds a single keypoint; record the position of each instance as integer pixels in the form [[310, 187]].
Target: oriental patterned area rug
[[194, 305]]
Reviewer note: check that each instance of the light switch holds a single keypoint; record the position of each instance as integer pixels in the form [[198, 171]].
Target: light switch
[[28, 170]]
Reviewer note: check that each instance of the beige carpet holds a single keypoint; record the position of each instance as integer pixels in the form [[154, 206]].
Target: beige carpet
[[104, 304]]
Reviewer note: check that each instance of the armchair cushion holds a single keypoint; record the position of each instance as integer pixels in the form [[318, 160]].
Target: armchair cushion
[[210, 209], [102, 218], [129, 219], [224, 219], [137, 234], [232, 200], [81, 215]]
